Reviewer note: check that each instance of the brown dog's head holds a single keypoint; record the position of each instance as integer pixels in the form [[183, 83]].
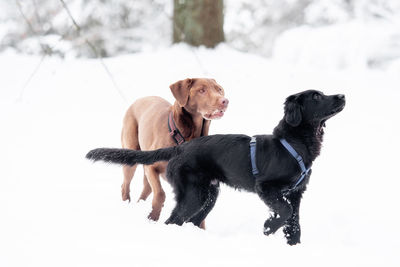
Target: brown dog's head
[[203, 96]]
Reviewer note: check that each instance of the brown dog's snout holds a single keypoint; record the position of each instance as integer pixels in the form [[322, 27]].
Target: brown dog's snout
[[224, 102]]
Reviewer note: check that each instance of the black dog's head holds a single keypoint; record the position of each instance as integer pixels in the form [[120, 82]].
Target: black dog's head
[[312, 107]]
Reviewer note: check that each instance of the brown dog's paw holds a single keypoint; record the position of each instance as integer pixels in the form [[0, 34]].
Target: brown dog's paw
[[125, 194], [154, 215]]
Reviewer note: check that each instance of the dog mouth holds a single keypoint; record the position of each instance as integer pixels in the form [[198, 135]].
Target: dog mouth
[[216, 114], [335, 111]]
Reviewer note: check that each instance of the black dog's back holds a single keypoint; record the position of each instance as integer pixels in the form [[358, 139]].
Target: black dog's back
[[211, 158]]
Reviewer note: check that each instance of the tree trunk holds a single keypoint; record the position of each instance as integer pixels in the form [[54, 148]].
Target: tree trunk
[[198, 22]]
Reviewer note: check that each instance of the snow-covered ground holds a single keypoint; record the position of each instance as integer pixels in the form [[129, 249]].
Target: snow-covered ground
[[58, 209]]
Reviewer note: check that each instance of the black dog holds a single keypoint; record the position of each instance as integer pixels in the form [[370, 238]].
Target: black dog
[[195, 168]]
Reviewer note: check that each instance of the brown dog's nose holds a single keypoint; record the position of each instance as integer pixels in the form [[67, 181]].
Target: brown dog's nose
[[224, 102]]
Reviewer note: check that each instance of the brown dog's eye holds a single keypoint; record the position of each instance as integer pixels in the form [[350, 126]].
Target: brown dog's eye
[[317, 96], [202, 91], [220, 90]]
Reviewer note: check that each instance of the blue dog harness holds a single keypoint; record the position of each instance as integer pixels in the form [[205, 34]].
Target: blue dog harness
[[253, 144], [291, 150]]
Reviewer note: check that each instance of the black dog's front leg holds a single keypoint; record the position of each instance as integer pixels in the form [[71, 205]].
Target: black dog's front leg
[[280, 207], [292, 228]]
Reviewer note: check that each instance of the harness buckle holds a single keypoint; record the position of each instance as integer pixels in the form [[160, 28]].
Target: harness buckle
[[298, 158], [173, 133]]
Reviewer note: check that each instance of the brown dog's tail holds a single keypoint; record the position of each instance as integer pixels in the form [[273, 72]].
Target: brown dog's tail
[[132, 157]]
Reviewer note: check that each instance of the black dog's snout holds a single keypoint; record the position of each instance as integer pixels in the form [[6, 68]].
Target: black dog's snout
[[341, 97]]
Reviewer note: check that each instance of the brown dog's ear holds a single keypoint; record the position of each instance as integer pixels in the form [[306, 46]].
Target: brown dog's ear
[[292, 111], [181, 90]]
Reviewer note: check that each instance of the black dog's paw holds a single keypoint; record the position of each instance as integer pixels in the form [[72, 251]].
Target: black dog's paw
[[174, 219], [292, 234], [271, 226], [293, 242]]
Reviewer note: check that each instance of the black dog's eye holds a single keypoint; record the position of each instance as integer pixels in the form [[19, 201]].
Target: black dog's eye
[[317, 96]]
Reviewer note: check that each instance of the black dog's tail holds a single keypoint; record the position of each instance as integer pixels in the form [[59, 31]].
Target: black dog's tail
[[132, 157]]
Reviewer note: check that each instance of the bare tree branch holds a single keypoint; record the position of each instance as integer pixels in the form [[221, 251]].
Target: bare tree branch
[[97, 54]]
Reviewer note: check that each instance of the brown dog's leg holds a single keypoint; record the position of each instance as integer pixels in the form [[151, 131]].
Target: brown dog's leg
[[158, 193], [129, 139], [129, 171], [146, 189]]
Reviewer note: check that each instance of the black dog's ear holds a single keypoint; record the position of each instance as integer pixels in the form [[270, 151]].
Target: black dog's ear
[[292, 111]]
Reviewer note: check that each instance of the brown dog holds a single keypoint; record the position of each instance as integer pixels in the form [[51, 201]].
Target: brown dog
[[147, 122]]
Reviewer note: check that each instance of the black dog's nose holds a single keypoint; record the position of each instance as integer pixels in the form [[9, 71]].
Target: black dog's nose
[[340, 96]]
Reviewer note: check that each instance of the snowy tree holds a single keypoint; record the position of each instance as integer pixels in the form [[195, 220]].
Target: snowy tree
[[112, 27], [124, 26]]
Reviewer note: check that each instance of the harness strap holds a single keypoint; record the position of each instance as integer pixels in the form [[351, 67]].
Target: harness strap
[[173, 130], [294, 154], [253, 144], [299, 159], [291, 150], [202, 127]]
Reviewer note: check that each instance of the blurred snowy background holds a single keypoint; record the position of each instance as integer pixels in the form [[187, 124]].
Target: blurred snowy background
[[65, 87], [327, 33]]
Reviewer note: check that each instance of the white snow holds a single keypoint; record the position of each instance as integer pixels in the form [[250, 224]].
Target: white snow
[[58, 209], [343, 45]]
